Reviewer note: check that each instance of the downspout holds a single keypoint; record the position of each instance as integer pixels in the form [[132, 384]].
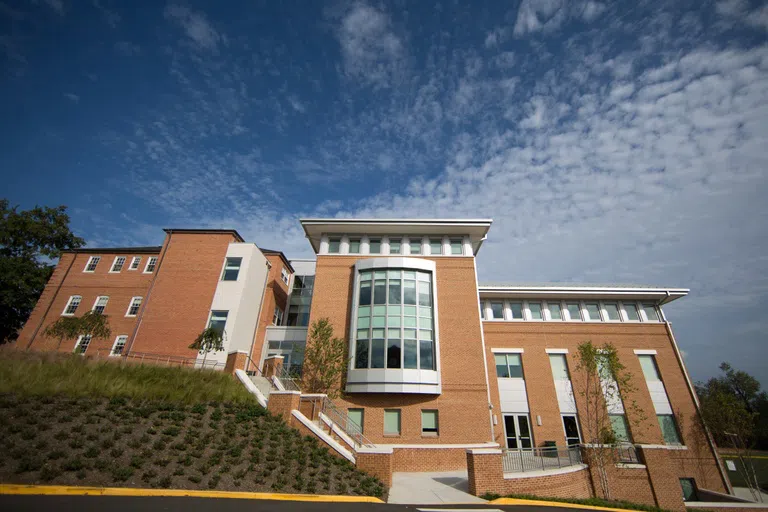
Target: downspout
[[258, 317], [696, 403], [485, 355], [50, 305], [145, 304]]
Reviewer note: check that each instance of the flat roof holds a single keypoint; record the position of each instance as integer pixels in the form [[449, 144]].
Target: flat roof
[[206, 231], [282, 257], [658, 294], [476, 229], [118, 250]]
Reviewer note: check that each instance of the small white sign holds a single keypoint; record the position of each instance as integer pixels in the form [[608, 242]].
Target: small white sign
[[731, 465]]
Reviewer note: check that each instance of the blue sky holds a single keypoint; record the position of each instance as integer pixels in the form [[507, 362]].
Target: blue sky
[[610, 142]]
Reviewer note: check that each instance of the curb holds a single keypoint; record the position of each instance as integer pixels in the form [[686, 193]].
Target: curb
[[542, 503], [63, 490]]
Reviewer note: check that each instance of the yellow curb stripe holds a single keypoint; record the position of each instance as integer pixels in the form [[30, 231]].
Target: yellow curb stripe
[[63, 490], [517, 501]]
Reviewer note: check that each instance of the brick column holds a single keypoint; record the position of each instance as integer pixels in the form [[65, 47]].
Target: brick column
[[663, 476], [281, 403], [484, 470], [272, 366], [376, 462], [312, 405], [235, 361]]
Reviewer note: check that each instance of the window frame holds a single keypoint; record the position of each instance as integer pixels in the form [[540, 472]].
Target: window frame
[[114, 345], [152, 260], [399, 423], [371, 242], [418, 242], [398, 241], [436, 431], [503, 309], [547, 312], [96, 302], [358, 241], [210, 318], [585, 309], [452, 242], [69, 302], [604, 311], [277, 315], [439, 243], [625, 316], [362, 417], [506, 360], [227, 268], [130, 305], [285, 276], [91, 259], [529, 315], [114, 264], [78, 344], [678, 435], [656, 312], [135, 263], [517, 435], [575, 417], [331, 242]]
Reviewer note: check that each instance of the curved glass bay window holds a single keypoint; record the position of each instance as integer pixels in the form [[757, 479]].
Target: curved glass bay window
[[394, 341]]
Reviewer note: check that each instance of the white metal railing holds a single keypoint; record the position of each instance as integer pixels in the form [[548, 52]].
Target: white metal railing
[[538, 459], [155, 359]]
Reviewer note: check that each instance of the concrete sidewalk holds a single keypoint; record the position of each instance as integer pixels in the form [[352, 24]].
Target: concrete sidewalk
[[431, 488]]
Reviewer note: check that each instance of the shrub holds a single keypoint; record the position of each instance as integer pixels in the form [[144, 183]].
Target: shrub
[[92, 452], [56, 454], [162, 462], [49, 472], [178, 472], [214, 481], [137, 461], [165, 482], [121, 474], [149, 475], [73, 464], [101, 464], [28, 463], [194, 478], [116, 452]]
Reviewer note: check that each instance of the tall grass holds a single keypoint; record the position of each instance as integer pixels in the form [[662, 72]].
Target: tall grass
[[40, 374]]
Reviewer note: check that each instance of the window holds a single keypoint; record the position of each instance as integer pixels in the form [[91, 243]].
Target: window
[[571, 427], [72, 304], [117, 265], [133, 307], [508, 366], [355, 418], [497, 310], [391, 422], [620, 428], [354, 246], [650, 313], [117, 348], [93, 261], [669, 429], [135, 262], [559, 366], [334, 245], [82, 344], [395, 320], [101, 304], [231, 269], [517, 431], [394, 246], [554, 311], [218, 320], [632, 313], [457, 247], [690, 493], [374, 246], [574, 311], [535, 309], [429, 423], [415, 245], [593, 311], [277, 317], [435, 246], [285, 275], [611, 311], [151, 264], [648, 364], [516, 308]]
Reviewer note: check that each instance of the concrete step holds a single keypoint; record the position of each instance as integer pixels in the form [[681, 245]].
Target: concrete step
[[262, 383]]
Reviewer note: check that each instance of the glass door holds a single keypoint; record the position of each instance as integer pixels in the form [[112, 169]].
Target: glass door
[[517, 431]]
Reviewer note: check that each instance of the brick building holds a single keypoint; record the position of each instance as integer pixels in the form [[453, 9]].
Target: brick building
[[444, 372]]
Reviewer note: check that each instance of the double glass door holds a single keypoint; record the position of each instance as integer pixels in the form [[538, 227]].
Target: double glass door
[[517, 430]]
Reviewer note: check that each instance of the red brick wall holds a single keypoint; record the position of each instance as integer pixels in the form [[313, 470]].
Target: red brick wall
[[464, 394], [281, 403], [376, 464], [429, 459], [180, 300], [275, 294], [235, 361], [69, 279]]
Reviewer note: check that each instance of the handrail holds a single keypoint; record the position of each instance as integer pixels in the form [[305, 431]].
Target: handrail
[[255, 370], [536, 459], [341, 419], [290, 380], [168, 359]]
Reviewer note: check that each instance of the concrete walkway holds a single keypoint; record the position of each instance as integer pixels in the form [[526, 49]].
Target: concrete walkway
[[431, 488]]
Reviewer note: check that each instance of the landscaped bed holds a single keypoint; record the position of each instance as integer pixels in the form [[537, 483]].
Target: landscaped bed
[[53, 435]]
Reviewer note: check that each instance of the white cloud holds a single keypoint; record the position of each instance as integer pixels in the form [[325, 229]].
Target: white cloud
[[741, 11], [74, 98], [536, 15], [296, 104], [196, 26], [496, 36], [592, 10]]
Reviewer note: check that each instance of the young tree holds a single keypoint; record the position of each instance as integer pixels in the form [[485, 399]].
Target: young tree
[[29, 240], [92, 323], [325, 360], [210, 340], [602, 379]]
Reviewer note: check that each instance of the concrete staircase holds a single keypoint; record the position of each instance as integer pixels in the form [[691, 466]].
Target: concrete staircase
[[263, 384]]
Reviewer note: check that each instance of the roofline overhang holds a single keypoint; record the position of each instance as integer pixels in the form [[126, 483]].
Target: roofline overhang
[[659, 295], [203, 231], [116, 250]]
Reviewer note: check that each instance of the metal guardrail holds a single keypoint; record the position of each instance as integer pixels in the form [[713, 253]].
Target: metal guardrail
[[157, 359], [290, 379], [538, 459], [627, 454], [340, 418]]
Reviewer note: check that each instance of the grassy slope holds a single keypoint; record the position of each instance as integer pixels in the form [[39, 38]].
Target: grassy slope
[[66, 421]]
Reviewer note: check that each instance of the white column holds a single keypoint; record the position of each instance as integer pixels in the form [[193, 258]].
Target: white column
[[425, 245], [365, 245], [486, 309], [344, 246], [385, 245], [405, 246], [446, 245], [324, 243], [467, 243]]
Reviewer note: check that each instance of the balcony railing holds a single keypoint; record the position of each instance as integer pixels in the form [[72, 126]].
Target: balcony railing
[[539, 459], [627, 454]]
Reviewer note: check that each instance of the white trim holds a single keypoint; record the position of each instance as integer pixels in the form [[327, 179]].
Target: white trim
[[644, 352], [77, 343], [545, 472], [507, 350], [374, 449], [137, 260], [95, 303], [336, 430], [147, 265], [114, 262], [88, 263], [438, 446], [323, 436], [284, 392], [66, 306], [251, 387], [112, 350], [482, 343], [662, 446], [484, 451], [556, 350], [626, 465], [127, 311]]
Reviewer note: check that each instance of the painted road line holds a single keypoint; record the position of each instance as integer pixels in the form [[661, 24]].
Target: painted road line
[[63, 490], [516, 501]]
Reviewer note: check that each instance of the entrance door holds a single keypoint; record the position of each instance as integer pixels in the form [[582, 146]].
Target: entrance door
[[517, 431]]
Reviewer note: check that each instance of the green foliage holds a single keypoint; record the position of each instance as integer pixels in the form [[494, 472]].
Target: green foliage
[[325, 360], [90, 323], [210, 340], [29, 240]]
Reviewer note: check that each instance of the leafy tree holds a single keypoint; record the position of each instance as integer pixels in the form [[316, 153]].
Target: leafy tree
[[602, 379], [325, 360], [29, 240], [92, 323], [210, 340]]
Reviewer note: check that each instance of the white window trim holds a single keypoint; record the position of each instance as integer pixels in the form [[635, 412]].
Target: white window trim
[[147, 265], [645, 352], [88, 263], [527, 311], [137, 261], [604, 312], [285, 276], [279, 317], [127, 311], [114, 262], [578, 427], [556, 351], [585, 313], [77, 345], [97, 301], [508, 350], [645, 318], [66, 307], [112, 350], [508, 310], [625, 316], [547, 315]]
